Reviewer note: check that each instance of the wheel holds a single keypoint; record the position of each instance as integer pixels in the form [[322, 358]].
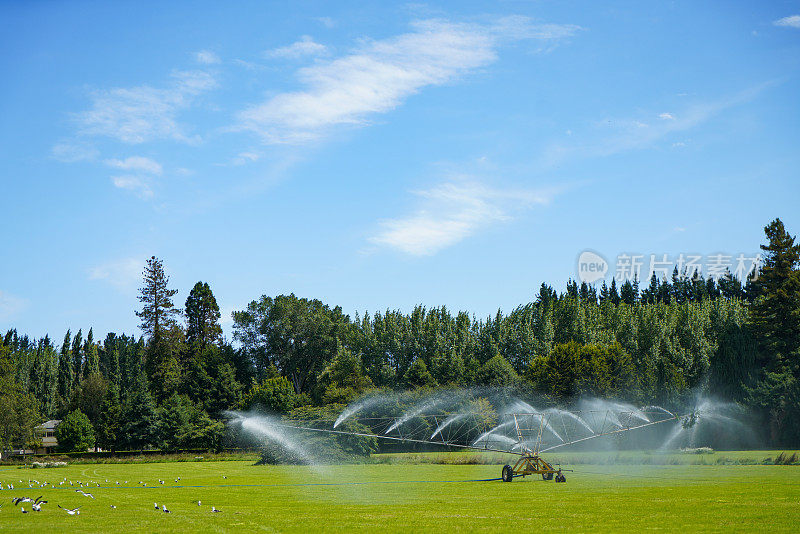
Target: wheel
[[508, 473], [547, 476]]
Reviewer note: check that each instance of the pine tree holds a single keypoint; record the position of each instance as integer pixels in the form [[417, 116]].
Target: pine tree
[[604, 293], [776, 313], [158, 312], [613, 295], [202, 317], [140, 415], [627, 293]]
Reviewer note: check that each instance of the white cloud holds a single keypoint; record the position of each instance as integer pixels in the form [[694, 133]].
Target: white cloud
[[306, 46], [246, 157], [137, 184], [450, 213], [10, 306], [206, 57], [328, 22], [620, 135], [124, 273], [144, 113], [792, 21], [379, 75], [667, 116], [136, 163], [70, 152]]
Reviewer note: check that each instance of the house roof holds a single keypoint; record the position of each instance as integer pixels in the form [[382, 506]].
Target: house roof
[[50, 425]]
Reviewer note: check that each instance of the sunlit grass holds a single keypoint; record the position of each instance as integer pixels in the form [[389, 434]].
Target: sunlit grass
[[392, 497]]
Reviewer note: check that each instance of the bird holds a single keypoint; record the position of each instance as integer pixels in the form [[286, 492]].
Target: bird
[[164, 506], [199, 503], [74, 511], [223, 476], [36, 507], [24, 511], [21, 499], [155, 505], [39, 500], [113, 507], [84, 493], [215, 510]]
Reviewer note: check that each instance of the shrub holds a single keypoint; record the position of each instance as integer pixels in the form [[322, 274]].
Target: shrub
[[75, 433]]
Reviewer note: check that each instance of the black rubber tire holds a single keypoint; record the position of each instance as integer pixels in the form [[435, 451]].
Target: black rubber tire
[[547, 476], [508, 473]]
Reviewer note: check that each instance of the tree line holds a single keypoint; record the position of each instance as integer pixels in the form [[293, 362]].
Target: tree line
[[169, 388]]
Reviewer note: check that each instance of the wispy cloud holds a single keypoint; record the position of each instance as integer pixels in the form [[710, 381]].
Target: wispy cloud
[[72, 151], [451, 212], [306, 46], [379, 75], [136, 163], [139, 185], [328, 22], [620, 135], [246, 157], [10, 306], [206, 57], [792, 21], [144, 113], [123, 273]]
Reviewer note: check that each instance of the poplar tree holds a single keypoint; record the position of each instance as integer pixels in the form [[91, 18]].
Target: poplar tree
[[66, 373], [91, 360], [77, 356]]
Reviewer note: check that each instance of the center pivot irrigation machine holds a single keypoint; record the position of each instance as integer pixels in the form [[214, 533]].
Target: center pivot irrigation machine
[[522, 431]]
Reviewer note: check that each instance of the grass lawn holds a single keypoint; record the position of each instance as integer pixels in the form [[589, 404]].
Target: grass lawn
[[402, 496]]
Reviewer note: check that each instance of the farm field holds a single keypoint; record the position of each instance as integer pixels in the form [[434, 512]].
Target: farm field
[[405, 496]]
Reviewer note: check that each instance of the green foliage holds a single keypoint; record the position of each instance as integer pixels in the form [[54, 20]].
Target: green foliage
[[343, 379], [498, 372], [75, 433], [202, 317], [299, 336], [88, 397], [186, 425], [322, 417], [158, 311], [273, 394], [419, 376], [776, 313], [141, 421], [573, 369]]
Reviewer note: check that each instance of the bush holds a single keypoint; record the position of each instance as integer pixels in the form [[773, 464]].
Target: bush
[[75, 433], [273, 394]]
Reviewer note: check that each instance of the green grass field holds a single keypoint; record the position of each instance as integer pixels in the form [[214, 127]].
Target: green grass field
[[406, 496]]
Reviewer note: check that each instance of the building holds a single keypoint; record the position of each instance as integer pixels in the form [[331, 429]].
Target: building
[[46, 432]]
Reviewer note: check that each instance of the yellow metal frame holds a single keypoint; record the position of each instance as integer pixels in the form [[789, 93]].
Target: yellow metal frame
[[533, 465]]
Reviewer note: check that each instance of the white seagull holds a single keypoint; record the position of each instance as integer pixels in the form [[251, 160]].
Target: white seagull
[[74, 511], [84, 493], [215, 510], [164, 506]]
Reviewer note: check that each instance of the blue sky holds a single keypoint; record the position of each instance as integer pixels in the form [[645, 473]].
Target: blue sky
[[382, 155]]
